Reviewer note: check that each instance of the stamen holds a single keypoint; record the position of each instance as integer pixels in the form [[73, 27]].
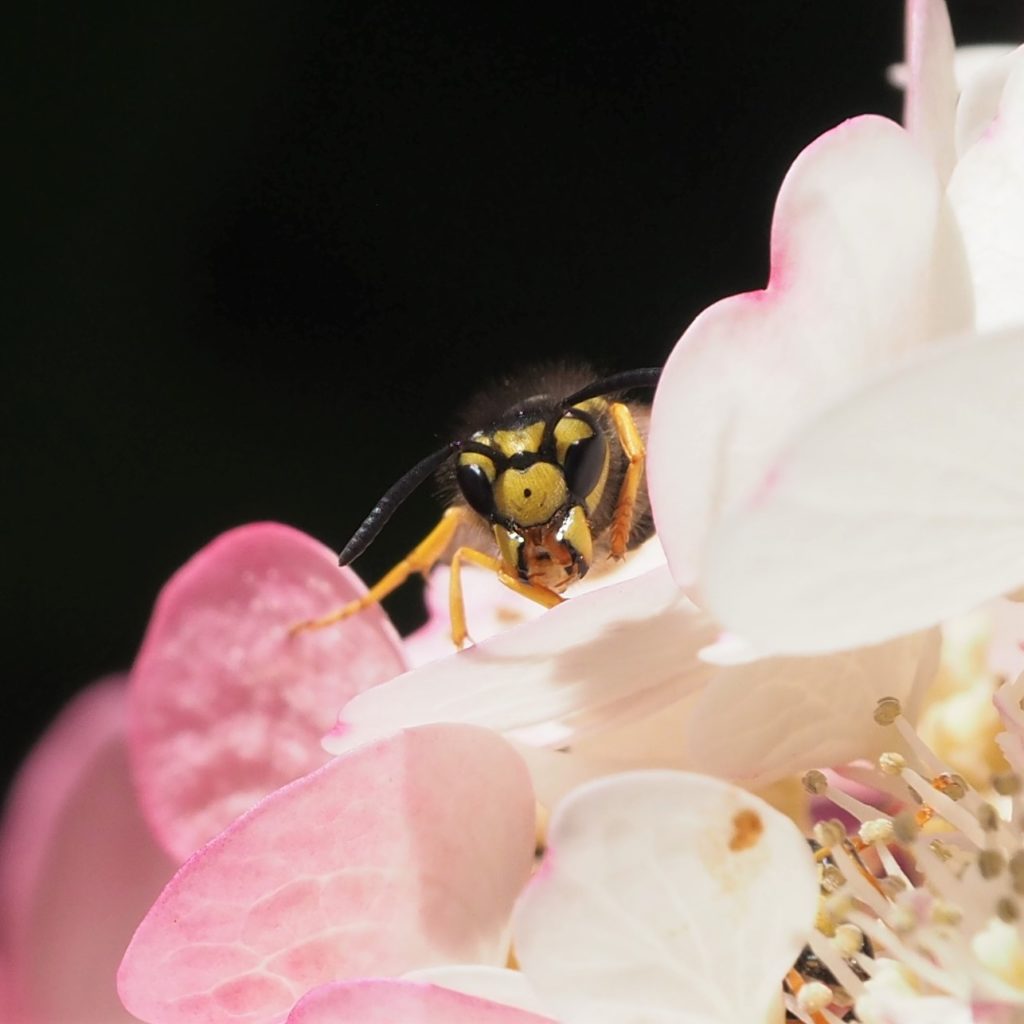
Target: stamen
[[877, 830], [796, 984], [849, 940], [1008, 910], [814, 997], [945, 806], [833, 958], [991, 863]]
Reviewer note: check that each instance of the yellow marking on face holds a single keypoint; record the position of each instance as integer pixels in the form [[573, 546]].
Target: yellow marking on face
[[476, 459], [530, 496], [508, 546], [522, 439], [575, 531]]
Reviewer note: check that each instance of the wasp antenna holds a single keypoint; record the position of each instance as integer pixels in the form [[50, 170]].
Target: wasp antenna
[[645, 378], [384, 509]]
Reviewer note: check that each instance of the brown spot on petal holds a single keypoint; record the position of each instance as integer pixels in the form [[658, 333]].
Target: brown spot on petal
[[746, 830]]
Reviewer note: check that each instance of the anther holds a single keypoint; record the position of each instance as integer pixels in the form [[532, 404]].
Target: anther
[[1016, 866], [879, 830], [990, 863], [905, 827], [952, 785], [901, 920], [940, 849], [849, 939], [887, 710], [832, 878], [815, 782], [946, 913], [814, 997], [891, 886], [1007, 910], [1006, 783], [988, 817], [891, 763], [829, 833]]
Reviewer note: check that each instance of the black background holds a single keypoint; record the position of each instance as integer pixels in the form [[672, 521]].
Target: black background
[[261, 254]]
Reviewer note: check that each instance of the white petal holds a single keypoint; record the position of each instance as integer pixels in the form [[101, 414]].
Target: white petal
[[655, 741], [666, 897], [597, 660], [865, 265], [981, 72], [762, 721], [987, 195], [930, 101], [897, 508]]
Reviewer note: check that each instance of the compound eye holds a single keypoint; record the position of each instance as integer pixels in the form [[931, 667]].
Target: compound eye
[[476, 487], [584, 463]]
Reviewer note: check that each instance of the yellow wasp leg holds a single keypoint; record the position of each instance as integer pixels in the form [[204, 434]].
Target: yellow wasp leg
[[422, 559], [456, 604], [633, 447]]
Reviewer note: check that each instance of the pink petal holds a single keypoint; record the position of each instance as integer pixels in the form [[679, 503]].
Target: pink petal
[[226, 706], [596, 661], [900, 507], [666, 897], [865, 265], [929, 109], [987, 196], [78, 868], [403, 854], [402, 1002], [759, 722]]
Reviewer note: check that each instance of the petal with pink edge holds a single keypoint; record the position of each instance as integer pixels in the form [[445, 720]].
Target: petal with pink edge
[[225, 705], [759, 722], [899, 507], [987, 196], [404, 854], [78, 868], [402, 1002], [929, 107], [666, 897], [598, 660], [866, 265]]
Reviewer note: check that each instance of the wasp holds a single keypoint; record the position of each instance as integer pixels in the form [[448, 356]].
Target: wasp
[[541, 489]]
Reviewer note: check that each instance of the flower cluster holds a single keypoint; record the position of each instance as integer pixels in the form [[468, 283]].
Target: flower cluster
[[343, 826]]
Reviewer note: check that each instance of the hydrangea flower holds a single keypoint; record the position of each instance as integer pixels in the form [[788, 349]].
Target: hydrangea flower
[[897, 501], [662, 897]]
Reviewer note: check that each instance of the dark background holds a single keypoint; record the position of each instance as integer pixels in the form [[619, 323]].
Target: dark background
[[261, 254]]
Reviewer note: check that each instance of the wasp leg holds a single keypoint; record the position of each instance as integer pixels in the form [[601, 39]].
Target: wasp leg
[[422, 559], [634, 450], [457, 605]]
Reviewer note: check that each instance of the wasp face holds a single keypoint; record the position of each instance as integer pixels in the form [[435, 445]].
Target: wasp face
[[537, 482]]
